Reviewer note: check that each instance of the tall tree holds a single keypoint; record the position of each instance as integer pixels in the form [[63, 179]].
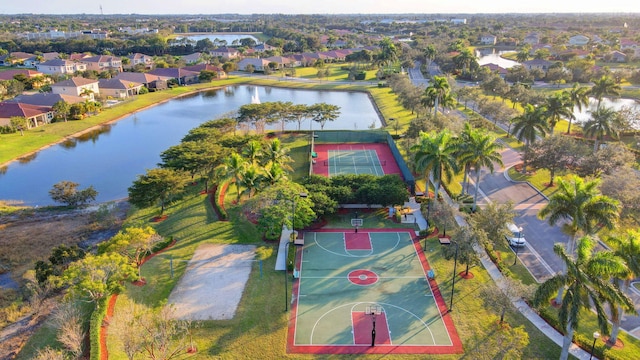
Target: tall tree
[[586, 282], [601, 124], [555, 152], [579, 98], [323, 112], [231, 169], [157, 185], [584, 206], [605, 87], [628, 249], [481, 150], [434, 154], [437, 90], [61, 109], [275, 153], [528, 126], [558, 106]]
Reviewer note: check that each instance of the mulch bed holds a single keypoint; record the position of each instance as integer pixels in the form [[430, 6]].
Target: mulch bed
[[159, 218], [466, 275]]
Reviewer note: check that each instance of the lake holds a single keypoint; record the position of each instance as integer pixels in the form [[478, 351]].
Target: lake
[[492, 56], [229, 38], [112, 157], [617, 104]]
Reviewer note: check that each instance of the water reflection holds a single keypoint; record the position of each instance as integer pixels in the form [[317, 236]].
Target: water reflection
[[28, 158], [110, 157], [492, 56], [616, 104]]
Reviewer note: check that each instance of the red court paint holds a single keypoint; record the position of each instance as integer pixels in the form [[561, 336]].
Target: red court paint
[[363, 277], [362, 326], [382, 150], [357, 241], [380, 348]]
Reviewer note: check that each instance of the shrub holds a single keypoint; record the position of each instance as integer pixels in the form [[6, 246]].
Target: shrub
[[218, 205], [95, 323]]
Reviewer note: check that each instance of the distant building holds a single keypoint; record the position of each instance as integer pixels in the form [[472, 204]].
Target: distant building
[[539, 64], [225, 53], [77, 86], [140, 59], [578, 40], [60, 66], [103, 63], [532, 38], [488, 39], [55, 34], [458, 21]]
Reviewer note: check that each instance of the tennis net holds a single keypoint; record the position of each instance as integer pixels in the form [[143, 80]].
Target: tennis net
[[355, 163]]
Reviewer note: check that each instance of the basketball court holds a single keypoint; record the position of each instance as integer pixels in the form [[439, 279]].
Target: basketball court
[[366, 291]]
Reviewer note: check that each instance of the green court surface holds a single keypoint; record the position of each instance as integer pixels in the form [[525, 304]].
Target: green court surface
[[354, 162], [344, 276]]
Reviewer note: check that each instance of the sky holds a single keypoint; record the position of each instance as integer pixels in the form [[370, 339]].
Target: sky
[[315, 7]]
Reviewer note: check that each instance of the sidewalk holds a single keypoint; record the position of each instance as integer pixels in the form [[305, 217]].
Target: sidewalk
[[522, 306]]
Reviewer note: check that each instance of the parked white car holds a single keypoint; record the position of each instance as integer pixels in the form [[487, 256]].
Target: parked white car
[[516, 236]]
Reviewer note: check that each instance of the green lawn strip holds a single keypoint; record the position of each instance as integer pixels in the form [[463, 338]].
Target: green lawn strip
[[298, 145], [539, 179], [388, 104], [507, 256]]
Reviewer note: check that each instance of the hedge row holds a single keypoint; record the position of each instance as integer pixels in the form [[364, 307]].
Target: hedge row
[[95, 327], [219, 201]]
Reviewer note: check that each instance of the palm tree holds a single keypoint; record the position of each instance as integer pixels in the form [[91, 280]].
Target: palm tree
[[601, 124], [275, 153], [462, 141], [465, 60], [252, 151], [586, 283], [604, 87], [274, 174], [231, 169], [481, 150], [581, 203], [628, 249], [522, 55], [430, 53], [528, 126], [556, 107], [250, 178], [434, 154], [437, 90], [579, 97]]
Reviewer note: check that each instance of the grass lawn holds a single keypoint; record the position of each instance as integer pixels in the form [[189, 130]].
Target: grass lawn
[[259, 328], [539, 179]]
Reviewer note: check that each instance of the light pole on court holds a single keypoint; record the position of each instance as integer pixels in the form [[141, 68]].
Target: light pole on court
[[292, 237]]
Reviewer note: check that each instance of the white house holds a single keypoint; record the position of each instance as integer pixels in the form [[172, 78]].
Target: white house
[[225, 53], [77, 86], [103, 62], [140, 59], [578, 40], [59, 66], [118, 88], [488, 39]]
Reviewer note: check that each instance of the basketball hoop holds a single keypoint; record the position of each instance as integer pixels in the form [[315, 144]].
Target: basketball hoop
[[373, 311], [356, 222]]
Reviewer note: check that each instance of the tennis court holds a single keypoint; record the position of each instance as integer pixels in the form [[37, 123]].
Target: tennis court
[[367, 292], [338, 159]]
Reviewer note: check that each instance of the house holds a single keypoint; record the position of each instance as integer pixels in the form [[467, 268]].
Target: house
[[152, 82], [257, 63], [47, 99], [617, 56], [78, 57], [225, 53], [140, 59], [77, 86], [264, 47], [59, 66], [280, 60], [458, 21], [537, 64], [195, 58], [35, 115], [198, 68], [118, 88], [578, 40], [494, 68], [103, 63], [488, 39], [11, 73], [532, 39], [183, 77], [626, 44], [15, 58], [301, 60]]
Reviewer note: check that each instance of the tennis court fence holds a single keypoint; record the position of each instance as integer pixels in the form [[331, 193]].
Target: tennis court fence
[[355, 163]]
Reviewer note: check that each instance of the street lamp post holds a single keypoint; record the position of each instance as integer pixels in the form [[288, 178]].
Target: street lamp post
[[596, 335], [516, 245], [453, 280]]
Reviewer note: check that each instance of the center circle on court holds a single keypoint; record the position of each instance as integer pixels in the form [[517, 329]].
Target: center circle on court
[[363, 277]]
